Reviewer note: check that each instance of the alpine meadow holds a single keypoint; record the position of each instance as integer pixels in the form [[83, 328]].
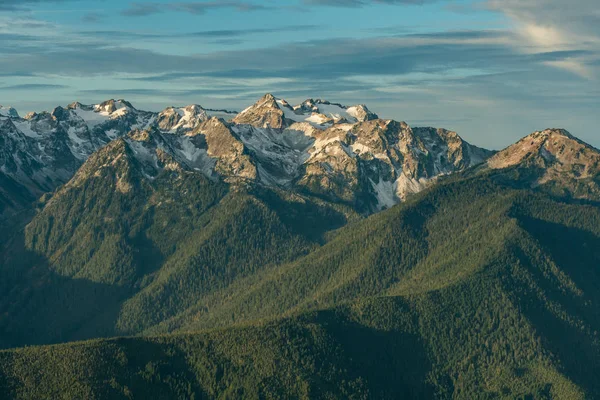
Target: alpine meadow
[[264, 248]]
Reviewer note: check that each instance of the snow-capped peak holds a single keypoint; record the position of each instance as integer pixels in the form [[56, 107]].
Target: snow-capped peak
[[8, 112], [273, 112], [336, 151], [177, 119], [111, 106]]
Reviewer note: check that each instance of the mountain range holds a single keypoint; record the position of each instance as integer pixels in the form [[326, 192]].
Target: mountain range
[[308, 251], [340, 153]]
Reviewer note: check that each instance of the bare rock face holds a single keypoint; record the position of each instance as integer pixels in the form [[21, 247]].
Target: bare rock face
[[554, 159], [232, 160], [168, 119], [383, 161]]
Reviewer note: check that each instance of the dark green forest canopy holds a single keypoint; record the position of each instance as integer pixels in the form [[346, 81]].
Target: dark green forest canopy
[[476, 288]]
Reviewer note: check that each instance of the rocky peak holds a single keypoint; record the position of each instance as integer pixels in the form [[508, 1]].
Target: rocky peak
[[307, 106], [195, 109], [168, 119], [265, 113], [232, 159], [60, 113], [453, 151], [181, 120], [551, 148], [78, 106], [362, 113], [383, 161], [553, 159], [271, 112], [336, 111]]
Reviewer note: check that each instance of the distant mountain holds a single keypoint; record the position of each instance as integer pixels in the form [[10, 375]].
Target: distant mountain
[[271, 112], [42, 151], [343, 154], [179, 120], [8, 112]]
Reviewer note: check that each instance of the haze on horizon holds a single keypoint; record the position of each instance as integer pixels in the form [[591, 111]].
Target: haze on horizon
[[493, 70]]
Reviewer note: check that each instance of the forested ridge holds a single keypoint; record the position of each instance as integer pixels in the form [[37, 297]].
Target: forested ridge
[[479, 287]]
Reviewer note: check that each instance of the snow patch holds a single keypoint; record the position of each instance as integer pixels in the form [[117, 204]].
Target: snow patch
[[112, 134], [406, 185], [25, 128], [8, 112], [384, 191], [91, 118]]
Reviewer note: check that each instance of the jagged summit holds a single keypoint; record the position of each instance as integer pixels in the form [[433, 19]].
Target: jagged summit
[[181, 119], [272, 112], [110, 106], [360, 111], [265, 113], [345, 154]]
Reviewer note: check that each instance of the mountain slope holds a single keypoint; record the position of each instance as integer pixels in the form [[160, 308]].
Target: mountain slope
[[139, 222], [445, 344], [494, 275], [322, 355], [42, 151], [478, 287]]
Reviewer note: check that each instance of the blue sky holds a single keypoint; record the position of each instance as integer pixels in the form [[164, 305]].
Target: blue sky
[[493, 70]]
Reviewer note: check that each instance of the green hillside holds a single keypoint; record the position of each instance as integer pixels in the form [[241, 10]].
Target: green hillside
[[159, 245], [319, 355], [472, 289], [384, 348], [484, 286], [504, 282]]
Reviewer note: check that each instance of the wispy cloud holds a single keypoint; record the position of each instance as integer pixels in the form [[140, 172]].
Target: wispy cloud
[[93, 17], [215, 34], [140, 9], [363, 3], [555, 25], [21, 5], [490, 51], [33, 86]]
